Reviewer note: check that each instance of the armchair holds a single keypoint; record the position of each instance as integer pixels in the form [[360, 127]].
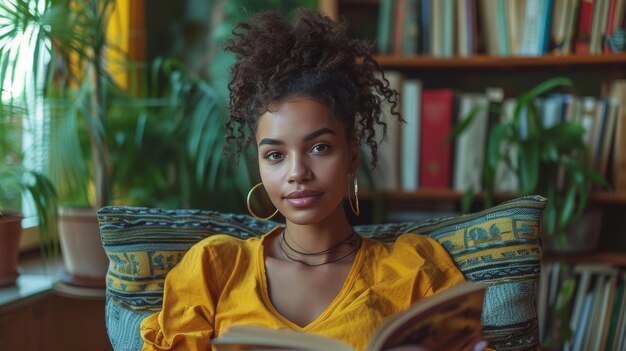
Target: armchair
[[499, 246]]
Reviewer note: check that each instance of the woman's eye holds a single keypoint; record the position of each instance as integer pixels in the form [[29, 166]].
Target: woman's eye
[[319, 148], [273, 155]]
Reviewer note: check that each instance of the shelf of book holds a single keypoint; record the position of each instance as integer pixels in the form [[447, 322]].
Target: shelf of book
[[499, 62], [449, 195]]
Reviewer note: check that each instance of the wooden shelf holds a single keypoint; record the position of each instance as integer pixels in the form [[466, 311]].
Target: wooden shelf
[[422, 195], [360, 2], [448, 195], [495, 62], [611, 258], [605, 198]]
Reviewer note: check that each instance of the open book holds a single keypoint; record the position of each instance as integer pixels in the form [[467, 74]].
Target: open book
[[449, 320]]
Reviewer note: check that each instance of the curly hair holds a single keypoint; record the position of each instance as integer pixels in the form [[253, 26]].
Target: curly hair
[[311, 57]]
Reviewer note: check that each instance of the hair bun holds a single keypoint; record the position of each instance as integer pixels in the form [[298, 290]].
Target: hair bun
[[312, 56]]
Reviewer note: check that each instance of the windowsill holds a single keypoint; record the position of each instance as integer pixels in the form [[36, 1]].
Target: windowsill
[[36, 279], [28, 286]]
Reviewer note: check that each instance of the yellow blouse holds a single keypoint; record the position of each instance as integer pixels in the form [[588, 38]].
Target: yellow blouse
[[221, 282]]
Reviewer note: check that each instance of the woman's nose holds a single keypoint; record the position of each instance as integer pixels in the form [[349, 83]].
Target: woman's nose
[[299, 170]]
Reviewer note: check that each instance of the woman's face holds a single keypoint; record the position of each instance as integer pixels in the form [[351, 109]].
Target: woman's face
[[304, 159]]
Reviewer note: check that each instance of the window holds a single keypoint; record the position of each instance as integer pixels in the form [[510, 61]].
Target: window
[[24, 55]]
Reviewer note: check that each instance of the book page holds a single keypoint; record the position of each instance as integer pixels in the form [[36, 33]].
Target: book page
[[248, 337], [450, 320]]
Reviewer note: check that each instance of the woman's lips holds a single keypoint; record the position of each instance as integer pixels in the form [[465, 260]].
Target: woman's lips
[[303, 200]]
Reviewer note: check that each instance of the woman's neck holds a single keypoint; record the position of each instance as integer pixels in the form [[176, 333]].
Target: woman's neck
[[320, 236]]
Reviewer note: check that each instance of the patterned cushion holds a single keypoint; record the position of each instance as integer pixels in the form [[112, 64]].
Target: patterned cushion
[[499, 246]]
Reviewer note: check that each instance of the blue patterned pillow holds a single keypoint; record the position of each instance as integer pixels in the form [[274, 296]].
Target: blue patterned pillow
[[499, 246]]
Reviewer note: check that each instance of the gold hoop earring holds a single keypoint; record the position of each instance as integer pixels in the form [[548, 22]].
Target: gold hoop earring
[[355, 206], [250, 207]]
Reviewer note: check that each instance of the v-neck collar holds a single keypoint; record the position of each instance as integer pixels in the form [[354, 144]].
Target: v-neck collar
[[347, 285]]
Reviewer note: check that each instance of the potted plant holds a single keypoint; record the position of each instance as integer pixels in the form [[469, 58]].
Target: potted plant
[[65, 42], [552, 161], [156, 145], [169, 151], [17, 180]]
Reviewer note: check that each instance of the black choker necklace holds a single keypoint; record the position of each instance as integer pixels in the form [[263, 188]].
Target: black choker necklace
[[356, 243], [350, 239]]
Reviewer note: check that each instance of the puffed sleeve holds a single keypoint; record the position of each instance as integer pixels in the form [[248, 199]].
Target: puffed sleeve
[[446, 273], [438, 271], [187, 316]]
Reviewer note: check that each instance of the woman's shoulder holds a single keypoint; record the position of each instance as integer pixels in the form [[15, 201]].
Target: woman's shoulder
[[225, 244], [221, 254], [224, 241], [412, 247], [420, 242], [409, 241]]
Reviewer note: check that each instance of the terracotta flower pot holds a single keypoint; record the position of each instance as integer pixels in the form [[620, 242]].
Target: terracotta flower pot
[[10, 230], [84, 258]]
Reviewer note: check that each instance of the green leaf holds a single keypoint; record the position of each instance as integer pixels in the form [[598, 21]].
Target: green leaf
[[529, 167], [546, 87], [550, 151], [583, 198], [466, 200], [463, 124], [566, 292], [566, 136], [549, 215], [599, 179], [497, 135], [525, 102], [567, 208], [533, 120]]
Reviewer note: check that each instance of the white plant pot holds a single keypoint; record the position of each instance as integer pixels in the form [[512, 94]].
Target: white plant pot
[[85, 261]]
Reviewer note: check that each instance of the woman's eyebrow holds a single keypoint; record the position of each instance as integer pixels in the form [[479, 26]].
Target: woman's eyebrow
[[315, 134], [269, 141], [319, 132]]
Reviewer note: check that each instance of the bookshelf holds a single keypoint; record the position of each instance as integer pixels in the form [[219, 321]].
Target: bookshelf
[[611, 258], [502, 63], [597, 198], [591, 75]]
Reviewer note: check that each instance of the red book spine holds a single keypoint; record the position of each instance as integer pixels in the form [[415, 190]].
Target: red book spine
[[436, 124], [610, 23], [584, 27], [398, 30]]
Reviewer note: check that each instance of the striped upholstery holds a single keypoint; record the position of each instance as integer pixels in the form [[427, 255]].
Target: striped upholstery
[[499, 246]]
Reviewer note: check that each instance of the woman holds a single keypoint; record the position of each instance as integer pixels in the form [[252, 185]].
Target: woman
[[301, 94]]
